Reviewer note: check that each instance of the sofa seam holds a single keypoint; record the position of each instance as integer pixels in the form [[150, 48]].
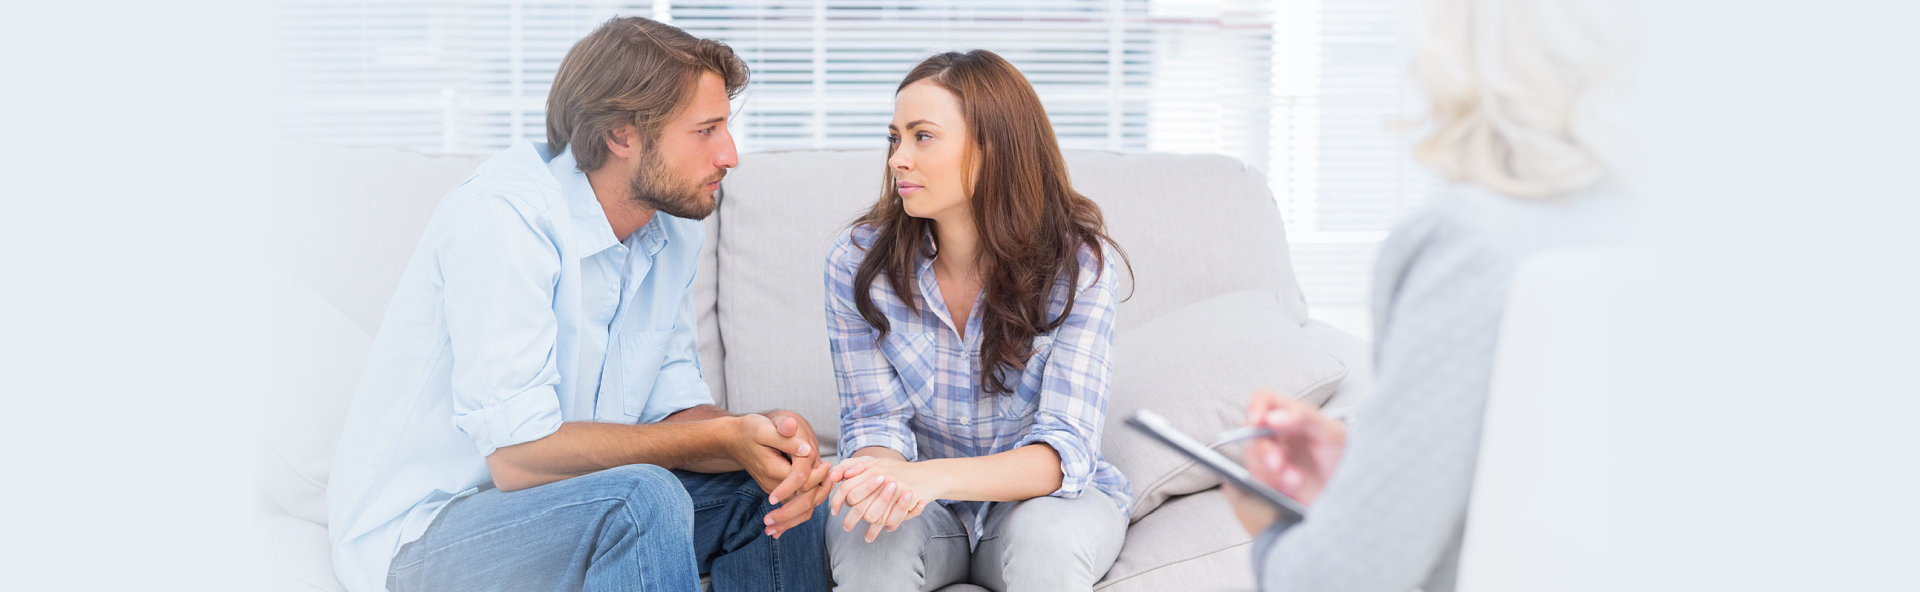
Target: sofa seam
[[1171, 563], [295, 468], [302, 580]]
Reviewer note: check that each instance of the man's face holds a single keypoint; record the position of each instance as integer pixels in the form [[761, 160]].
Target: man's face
[[679, 173]]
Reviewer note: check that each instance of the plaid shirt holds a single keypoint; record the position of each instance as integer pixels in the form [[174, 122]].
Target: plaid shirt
[[915, 391]]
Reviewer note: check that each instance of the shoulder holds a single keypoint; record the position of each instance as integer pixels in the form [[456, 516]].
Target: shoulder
[[1475, 219], [1470, 234], [850, 247], [519, 176], [1098, 266], [514, 185]]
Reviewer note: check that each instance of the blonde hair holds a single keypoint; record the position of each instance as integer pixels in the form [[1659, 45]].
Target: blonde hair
[[1527, 98]]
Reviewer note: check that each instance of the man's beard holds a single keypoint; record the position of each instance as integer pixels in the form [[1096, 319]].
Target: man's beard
[[656, 187]]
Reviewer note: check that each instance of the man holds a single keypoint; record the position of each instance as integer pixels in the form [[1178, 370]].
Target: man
[[532, 416]]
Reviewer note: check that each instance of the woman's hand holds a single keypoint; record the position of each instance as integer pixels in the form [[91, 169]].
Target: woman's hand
[[1297, 460], [882, 491]]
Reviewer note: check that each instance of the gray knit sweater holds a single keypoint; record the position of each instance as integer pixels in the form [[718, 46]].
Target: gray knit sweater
[[1390, 519]]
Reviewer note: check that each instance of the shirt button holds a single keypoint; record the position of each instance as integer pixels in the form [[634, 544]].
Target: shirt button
[[966, 421]]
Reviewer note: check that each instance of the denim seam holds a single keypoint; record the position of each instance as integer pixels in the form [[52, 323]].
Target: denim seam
[[530, 518], [640, 572]]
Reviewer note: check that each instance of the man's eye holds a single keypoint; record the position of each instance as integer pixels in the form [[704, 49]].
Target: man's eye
[[709, 130]]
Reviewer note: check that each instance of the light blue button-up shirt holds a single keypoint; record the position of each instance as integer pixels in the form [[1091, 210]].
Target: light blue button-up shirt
[[520, 310]]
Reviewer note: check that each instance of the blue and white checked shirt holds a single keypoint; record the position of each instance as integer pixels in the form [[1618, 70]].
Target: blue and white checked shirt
[[916, 391]]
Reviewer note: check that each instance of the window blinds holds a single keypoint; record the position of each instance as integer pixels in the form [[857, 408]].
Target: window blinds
[[1304, 90]]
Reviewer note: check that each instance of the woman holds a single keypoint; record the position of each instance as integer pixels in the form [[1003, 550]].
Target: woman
[[971, 317], [1524, 111]]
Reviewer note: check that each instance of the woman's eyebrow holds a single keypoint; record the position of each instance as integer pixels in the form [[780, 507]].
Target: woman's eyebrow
[[915, 123]]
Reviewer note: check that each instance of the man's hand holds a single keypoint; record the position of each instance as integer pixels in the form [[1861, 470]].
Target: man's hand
[[1297, 460], [884, 492], [804, 485], [761, 451]]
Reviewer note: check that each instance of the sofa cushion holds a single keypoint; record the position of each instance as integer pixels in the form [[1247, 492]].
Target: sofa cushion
[[706, 285], [318, 359], [302, 556], [354, 216], [1196, 366], [1192, 543], [779, 213], [1357, 354], [1193, 226]]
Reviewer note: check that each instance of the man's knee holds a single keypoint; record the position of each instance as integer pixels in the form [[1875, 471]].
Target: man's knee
[[651, 498]]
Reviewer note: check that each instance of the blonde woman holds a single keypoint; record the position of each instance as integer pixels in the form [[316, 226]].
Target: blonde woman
[[1525, 113]]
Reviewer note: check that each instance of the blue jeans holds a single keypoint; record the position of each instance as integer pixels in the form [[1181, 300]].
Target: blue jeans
[[637, 527]]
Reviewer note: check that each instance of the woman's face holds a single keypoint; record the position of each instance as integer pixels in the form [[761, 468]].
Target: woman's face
[[931, 145]]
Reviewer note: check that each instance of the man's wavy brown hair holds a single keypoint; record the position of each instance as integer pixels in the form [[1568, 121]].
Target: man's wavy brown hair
[[1032, 223], [630, 71]]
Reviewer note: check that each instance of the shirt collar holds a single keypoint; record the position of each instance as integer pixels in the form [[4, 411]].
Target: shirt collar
[[929, 286], [651, 237], [590, 225]]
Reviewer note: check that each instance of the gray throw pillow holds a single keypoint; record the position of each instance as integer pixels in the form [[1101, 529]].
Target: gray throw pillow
[[1196, 366]]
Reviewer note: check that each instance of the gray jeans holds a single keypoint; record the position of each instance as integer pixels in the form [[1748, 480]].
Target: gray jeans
[[1045, 543]]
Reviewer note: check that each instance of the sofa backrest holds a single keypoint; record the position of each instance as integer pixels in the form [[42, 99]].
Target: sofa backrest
[[1194, 226]]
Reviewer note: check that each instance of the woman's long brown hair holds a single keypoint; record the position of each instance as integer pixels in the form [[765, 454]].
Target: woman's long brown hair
[[1032, 223]]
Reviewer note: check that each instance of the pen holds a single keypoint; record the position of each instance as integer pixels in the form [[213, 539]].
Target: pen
[[1251, 432]]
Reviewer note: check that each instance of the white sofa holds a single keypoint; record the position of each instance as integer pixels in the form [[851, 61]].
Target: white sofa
[[1215, 312]]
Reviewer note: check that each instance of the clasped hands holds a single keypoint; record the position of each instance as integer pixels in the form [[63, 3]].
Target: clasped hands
[[779, 450], [882, 491]]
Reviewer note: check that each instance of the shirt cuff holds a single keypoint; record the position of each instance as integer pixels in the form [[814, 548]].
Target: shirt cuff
[[525, 417], [854, 441], [1264, 543]]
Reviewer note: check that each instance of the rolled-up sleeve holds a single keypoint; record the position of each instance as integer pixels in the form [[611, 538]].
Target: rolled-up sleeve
[[1074, 389], [874, 407], [498, 272]]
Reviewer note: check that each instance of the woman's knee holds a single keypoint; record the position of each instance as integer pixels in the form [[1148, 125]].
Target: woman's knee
[[898, 560], [1059, 537]]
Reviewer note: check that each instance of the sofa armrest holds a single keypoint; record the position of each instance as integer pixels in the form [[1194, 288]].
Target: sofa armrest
[[1353, 351]]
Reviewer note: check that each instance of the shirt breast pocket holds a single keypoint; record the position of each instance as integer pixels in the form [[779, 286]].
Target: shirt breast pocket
[[1026, 396], [912, 357], [639, 358]]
